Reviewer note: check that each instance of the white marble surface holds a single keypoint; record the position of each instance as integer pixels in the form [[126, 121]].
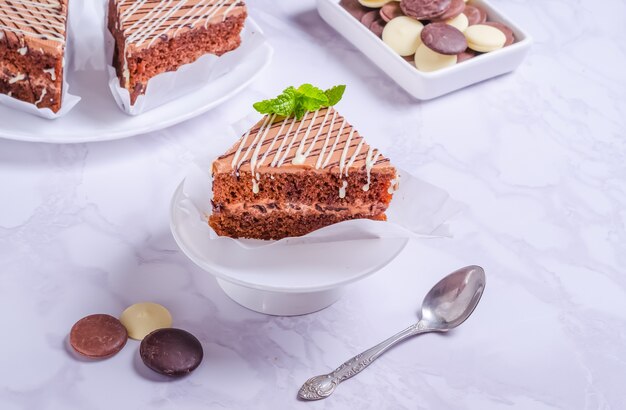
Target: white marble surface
[[537, 158]]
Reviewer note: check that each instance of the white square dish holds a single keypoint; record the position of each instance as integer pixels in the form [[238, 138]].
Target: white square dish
[[427, 85]]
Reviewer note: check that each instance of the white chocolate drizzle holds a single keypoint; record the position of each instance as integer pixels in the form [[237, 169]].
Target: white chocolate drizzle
[[43, 94], [342, 190], [18, 77], [52, 73], [23, 50]]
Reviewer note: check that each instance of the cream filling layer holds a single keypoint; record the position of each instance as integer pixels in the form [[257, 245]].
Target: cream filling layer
[[267, 207]]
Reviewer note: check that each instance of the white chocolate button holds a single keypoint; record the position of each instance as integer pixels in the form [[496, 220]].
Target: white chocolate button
[[374, 4], [429, 60], [402, 34], [141, 319], [460, 22], [484, 38]]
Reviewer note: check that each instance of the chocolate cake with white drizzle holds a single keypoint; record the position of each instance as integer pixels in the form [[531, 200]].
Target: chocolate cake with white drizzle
[[287, 177], [155, 36], [32, 48]]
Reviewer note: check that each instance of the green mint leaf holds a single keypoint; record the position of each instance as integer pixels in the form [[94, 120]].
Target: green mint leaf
[[334, 94], [264, 107], [312, 97], [299, 111], [285, 103], [296, 102], [282, 105]]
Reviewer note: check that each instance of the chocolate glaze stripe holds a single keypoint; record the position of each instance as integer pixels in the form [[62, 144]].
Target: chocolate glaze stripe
[[256, 139], [243, 143], [295, 136], [278, 134], [25, 17], [300, 156], [334, 146], [280, 162]]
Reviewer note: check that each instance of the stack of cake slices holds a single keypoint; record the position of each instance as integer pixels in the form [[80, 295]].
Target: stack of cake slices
[[151, 37], [288, 177]]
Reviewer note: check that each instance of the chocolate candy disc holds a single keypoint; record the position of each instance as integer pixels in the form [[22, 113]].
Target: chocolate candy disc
[[510, 37], [402, 34], [172, 352], [390, 11], [465, 55], [142, 318], [475, 15], [443, 38], [456, 8], [354, 8], [429, 60], [98, 336], [460, 22], [483, 38], [369, 17], [424, 9], [377, 27]]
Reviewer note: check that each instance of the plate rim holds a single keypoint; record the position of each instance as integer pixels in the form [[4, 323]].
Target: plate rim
[[178, 193]]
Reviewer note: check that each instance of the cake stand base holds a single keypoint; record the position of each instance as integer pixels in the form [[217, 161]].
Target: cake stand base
[[281, 303]]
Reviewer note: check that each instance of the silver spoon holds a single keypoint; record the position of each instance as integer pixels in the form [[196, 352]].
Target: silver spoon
[[448, 304]]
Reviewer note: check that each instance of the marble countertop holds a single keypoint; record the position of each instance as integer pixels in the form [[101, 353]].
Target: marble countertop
[[537, 158]]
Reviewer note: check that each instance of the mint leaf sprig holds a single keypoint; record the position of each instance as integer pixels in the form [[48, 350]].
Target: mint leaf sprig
[[297, 101]]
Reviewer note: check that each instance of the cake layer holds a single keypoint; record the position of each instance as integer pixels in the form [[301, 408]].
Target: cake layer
[[155, 36], [304, 187], [277, 225]]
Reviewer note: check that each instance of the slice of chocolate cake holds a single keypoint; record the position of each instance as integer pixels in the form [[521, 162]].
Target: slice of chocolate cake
[[32, 48], [288, 177], [155, 36]]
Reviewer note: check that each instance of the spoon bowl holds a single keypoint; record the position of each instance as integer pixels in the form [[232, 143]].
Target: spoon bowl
[[453, 299]]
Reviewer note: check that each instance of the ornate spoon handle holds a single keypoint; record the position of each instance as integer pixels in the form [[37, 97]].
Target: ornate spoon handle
[[320, 387]]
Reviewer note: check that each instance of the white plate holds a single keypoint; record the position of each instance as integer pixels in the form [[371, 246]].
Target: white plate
[[423, 85], [98, 118], [283, 280]]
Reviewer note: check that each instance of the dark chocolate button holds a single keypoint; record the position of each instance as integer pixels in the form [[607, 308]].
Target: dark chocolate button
[[98, 336], [378, 26], [354, 8], [370, 17], [508, 33], [475, 15], [390, 11], [425, 9], [444, 39], [456, 8], [172, 352]]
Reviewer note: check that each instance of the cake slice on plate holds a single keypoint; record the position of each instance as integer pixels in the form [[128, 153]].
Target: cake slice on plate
[[294, 173], [155, 36], [32, 48]]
